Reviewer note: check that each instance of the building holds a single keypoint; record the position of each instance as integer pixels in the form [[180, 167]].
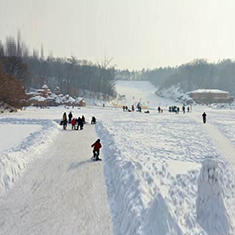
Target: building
[[208, 96]]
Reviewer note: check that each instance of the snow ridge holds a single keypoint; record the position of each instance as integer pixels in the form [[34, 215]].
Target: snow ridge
[[132, 209], [15, 160]]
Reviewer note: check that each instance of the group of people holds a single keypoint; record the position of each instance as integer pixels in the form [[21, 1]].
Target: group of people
[[138, 108], [77, 123], [176, 109]]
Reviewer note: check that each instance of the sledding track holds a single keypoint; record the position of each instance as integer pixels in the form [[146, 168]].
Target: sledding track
[[62, 193]]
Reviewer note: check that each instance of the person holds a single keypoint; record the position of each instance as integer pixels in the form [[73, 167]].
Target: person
[[188, 109], [183, 108], [96, 149], [204, 117], [70, 117], [83, 119], [133, 107], [73, 122], [93, 120], [159, 109], [80, 123], [64, 120]]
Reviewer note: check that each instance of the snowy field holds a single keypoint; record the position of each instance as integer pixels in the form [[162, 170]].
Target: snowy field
[[151, 164]]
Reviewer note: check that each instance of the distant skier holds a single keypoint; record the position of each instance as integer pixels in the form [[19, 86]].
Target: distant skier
[[96, 149], [70, 117], [204, 117], [188, 109], [159, 109], [183, 109]]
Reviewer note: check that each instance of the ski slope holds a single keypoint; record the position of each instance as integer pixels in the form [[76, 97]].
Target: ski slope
[[146, 184], [140, 91]]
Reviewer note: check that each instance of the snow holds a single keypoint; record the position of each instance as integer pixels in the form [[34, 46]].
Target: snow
[[149, 181], [38, 98], [211, 211], [21, 130], [23, 148], [208, 91]]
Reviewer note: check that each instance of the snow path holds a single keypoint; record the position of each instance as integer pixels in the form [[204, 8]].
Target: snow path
[[61, 193], [222, 143]]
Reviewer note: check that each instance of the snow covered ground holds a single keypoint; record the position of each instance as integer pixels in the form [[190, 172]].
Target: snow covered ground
[[151, 165]]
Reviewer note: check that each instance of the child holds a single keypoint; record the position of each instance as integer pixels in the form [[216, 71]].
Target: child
[[96, 149], [73, 123]]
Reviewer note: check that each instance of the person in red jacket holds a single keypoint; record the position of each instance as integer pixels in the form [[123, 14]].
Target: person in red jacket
[[73, 123], [96, 149]]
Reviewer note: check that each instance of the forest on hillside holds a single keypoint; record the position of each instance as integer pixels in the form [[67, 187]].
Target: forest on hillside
[[198, 74], [71, 75], [21, 70]]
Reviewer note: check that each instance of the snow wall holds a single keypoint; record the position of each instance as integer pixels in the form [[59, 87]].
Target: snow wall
[[15, 160], [211, 211], [130, 214]]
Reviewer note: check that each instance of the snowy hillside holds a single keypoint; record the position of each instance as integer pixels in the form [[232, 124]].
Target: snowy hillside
[[152, 170]]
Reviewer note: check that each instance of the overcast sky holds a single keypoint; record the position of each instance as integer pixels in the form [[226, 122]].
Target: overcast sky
[[135, 33]]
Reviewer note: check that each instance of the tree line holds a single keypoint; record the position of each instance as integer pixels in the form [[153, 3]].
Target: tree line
[[198, 74], [72, 76]]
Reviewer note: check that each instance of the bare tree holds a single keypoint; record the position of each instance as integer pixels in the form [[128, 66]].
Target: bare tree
[[10, 47]]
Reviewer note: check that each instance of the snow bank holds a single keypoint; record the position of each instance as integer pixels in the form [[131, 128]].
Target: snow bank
[[211, 211], [14, 160], [159, 220], [137, 204]]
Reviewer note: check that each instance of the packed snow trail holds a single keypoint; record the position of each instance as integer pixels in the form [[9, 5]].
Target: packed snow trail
[[61, 193], [223, 144]]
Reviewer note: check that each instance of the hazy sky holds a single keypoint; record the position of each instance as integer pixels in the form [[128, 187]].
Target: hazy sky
[[135, 33]]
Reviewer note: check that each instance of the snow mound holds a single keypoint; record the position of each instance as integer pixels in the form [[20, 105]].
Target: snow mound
[[211, 211], [159, 220]]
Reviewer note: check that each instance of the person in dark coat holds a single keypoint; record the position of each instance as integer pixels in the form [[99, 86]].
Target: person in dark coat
[[70, 117], [183, 108], [96, 149], [204, 117], [64, 119], [93, 120], [80, 123], [83, 119]]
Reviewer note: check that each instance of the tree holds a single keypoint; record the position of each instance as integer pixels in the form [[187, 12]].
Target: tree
[[11, 90]]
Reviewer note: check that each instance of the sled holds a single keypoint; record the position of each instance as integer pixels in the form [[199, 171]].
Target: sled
[[94, 159]]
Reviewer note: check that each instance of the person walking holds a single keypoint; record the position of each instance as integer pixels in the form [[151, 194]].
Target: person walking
[[96, 149], [204, 117], [80, 123], [83, 119], [70, 117], [64, 120]]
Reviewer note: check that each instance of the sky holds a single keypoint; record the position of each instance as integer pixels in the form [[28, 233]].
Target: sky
[[135, 34]]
